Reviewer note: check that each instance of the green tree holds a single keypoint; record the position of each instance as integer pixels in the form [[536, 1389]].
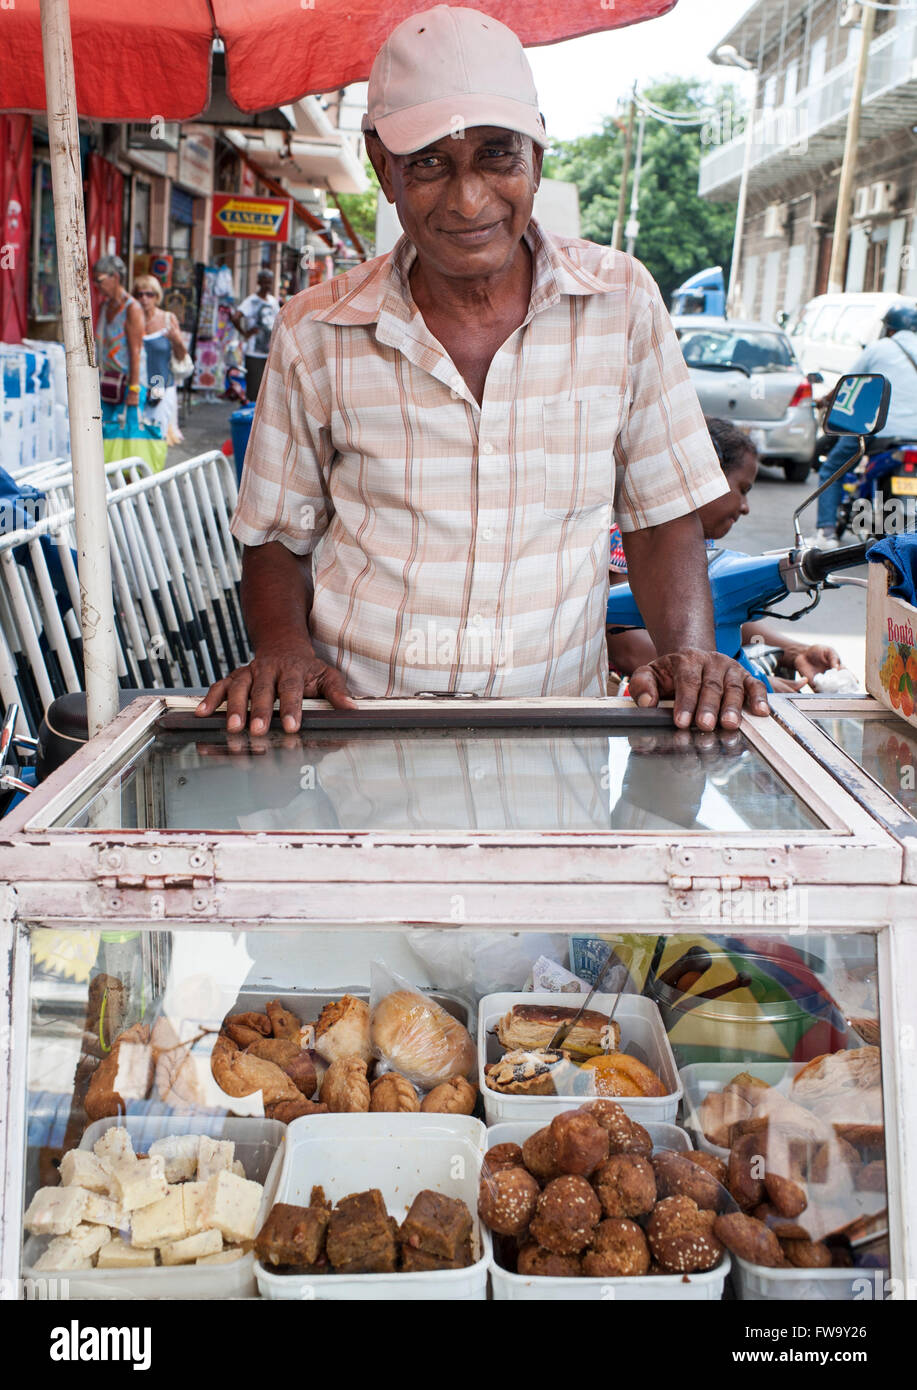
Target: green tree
[[360, 209], [680, 232]]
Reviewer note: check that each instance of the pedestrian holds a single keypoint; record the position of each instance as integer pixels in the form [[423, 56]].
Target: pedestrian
[[162, 344], [442, 432], [119, 335], [254, 320], [894, 355]]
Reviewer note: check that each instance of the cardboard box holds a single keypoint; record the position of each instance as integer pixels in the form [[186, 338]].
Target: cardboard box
[[891, 647]]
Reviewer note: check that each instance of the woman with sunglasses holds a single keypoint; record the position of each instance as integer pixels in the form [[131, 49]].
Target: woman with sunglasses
[[162, 340]]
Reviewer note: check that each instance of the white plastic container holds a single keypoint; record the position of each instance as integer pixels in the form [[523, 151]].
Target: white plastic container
[[260, 1146], [757, 1284], [400, 1155], [700, 1079], [640, 1023], [642, 1288]]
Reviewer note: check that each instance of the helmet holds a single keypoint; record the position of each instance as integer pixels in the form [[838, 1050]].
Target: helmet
[[900, 316]]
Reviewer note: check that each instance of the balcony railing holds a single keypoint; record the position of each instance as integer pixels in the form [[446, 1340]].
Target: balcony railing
[[818, 108]]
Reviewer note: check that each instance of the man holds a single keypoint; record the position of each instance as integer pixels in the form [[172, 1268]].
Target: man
[[255, 318], [894, 355], [442, 432]]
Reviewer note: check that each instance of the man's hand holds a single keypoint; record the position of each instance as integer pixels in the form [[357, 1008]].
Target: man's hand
[[288, 672], [707, 688]]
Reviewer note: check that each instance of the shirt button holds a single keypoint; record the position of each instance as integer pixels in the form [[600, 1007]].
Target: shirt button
[[487, 534], [487, 448]]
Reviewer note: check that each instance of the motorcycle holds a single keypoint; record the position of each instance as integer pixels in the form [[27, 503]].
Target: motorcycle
[[746, 587], [891, 462]]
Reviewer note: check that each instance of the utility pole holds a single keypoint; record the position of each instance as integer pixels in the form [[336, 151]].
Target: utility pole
[[617, 234], [848, 167], [633, 226]]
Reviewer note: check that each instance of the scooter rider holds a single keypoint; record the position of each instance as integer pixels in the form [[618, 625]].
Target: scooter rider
[[895, 356]]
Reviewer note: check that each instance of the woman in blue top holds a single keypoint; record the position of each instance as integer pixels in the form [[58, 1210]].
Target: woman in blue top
[[119, 333], [162, 340]]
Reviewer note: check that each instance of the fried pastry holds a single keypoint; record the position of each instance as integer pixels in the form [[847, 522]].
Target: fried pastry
[[745, 1171], [531, 1027], [392, 1093], [566, 1215], [421, 1039], [242, 1035], [624, 1134], [303, 1073], [260, 1023], [580, 1142], [281, 1051], [539, 1154], [749, 1239], [507, 1199], [807, 1254], [239, 1074], [682, 1237], [787, 1197], [455, 1097], [676, 1176], [287, 1110], [342, 1030], [719, 1111], [626, 1186], [345, 1087], [535, 1260], [619, 1250], [283, 1023]]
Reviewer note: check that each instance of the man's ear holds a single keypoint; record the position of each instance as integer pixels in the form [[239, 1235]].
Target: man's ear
[[380, 159], [537, 161]]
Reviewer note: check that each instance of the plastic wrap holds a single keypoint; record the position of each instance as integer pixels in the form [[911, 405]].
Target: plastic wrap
[[415, 1036]]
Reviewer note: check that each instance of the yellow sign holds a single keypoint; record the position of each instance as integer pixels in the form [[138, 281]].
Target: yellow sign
[[904, 487], [262, 219]]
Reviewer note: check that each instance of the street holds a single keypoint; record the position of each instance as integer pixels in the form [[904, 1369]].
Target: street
[[840, 618]]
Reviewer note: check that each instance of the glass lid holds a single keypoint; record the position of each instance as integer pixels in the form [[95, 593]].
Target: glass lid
[[341, 775], [883, 745]]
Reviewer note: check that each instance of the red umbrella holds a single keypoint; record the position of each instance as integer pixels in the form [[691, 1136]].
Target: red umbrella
[[117, 61], [133, 62]]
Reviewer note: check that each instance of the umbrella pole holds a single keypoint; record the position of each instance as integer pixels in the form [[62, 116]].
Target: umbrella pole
[[97, 617]]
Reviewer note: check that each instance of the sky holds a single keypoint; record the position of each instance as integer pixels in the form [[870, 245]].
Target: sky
[[579, 82]]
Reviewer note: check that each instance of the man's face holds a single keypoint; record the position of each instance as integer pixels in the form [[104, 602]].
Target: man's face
[[264, 284], [464, 202]]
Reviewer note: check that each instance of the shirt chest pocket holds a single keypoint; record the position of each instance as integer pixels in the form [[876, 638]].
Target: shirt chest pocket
[[579, 440]]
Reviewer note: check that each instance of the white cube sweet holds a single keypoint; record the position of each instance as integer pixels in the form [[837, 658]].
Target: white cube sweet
[[231, 1204], [179, 1153], [81, 1168], [103, 1211], [225, 1257], [214, 1156], [114, 1146], [63, 1254], [160, 1222], [117, 1254], [190, 1248], [54, 1211], [192, 1196], [90, 1238], [139, 1184], [238, 1167]]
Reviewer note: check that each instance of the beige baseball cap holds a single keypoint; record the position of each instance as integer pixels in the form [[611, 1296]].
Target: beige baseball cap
[[444, 70]]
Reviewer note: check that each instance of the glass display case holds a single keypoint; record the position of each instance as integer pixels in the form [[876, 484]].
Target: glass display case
[[340, 959]]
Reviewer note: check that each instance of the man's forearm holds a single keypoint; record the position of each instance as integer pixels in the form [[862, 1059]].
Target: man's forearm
[[667, 569], [276, 595]]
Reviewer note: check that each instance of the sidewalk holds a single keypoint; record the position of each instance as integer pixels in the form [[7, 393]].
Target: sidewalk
[[205, 426]]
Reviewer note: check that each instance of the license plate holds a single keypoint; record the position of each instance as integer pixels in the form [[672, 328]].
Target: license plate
[[904, 487]]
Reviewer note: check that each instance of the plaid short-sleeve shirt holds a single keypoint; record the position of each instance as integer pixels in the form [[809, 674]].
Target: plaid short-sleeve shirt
[[464, 547]]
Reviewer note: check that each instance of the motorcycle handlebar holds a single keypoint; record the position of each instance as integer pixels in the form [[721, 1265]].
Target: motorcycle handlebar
[[818, 564]]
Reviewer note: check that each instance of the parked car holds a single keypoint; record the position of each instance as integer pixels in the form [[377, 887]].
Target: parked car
[[830, 332], [747, 373]]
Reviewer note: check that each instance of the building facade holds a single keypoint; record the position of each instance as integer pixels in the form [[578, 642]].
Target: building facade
[[805, 53]]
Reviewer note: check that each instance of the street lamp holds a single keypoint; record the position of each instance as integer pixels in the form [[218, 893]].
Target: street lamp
[[727, 56]]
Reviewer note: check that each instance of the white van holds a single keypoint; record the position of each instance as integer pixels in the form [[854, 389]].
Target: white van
[[829, 333]]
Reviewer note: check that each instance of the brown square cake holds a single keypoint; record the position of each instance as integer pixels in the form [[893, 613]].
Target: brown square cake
[[415, 1261], [292, 1236], [360, 1237], [437, 1225]]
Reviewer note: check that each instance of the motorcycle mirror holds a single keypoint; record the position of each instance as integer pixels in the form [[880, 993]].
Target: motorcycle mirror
[[858, 404]]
